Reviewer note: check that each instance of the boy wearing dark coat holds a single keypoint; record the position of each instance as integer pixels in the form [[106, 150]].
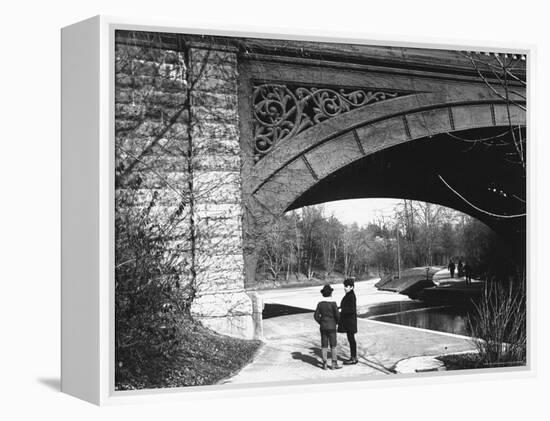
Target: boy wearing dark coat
[[326, 314], [348, 319]]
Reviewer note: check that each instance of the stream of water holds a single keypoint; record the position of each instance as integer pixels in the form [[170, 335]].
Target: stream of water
[[443, 319]]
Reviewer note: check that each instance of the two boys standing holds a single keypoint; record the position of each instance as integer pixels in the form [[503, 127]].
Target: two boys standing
[[331, 320]]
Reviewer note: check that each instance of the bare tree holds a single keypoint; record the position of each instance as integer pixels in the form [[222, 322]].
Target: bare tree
[[331, 239]]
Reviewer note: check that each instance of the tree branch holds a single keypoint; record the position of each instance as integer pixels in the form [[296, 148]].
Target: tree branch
[[478, 208]]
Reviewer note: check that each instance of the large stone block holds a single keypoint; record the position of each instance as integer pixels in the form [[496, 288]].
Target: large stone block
[[175, 130], [217, 162], [122, 126], [153, 179], [137, 131], [158, 112], [163, 198], [509, 114], [471, 116], [127, 50], [210, 145], [237, 326], [136, 82], [122, 80], [215, 100], [219, 244], [208, 281], [214, 84], [166, 154], [208, 130], [214, 56], [207, 64], [222, 304], [130, 111], [173, 221], [149, 95], [141, 67], [334, 154], [428, 123], [133, 147], [283, 187], [217, 187], [219, 227], [383, 134], [224, 210], [220, 262], [164, 163], [180, 247], [218, 70], [215, 115]]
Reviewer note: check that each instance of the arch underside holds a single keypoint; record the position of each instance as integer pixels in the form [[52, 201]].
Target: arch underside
[[422, 149], [447, 170]]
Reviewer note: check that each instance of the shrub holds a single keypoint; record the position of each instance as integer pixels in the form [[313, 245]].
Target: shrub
[[499, 324], [151, 307]]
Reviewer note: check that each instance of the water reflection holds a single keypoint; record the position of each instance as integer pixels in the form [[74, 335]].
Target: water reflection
[[390, 307], [442, 319]]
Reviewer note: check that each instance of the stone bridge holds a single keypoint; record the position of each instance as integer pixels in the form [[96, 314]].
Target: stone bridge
[[275, 125]]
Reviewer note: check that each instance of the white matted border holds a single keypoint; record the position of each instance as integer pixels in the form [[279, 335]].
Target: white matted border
[[107, 394]]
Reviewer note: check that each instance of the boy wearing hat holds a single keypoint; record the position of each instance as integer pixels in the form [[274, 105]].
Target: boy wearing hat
[[327, 315], [348, 319]]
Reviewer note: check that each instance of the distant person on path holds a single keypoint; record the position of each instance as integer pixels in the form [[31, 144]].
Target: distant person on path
[[467, 273], [348, 319], [452, 268], [460, 269], [326, 314]]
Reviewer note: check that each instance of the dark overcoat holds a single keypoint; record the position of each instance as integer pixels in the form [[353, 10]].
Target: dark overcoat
[[348, 313], [326, 314]]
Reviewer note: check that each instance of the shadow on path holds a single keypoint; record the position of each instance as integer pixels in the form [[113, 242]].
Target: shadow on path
[[375, 365], [313, 360], [276, 310]]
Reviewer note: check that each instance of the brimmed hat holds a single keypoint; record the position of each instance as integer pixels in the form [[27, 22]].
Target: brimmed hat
[[349, 282], [327, 290]]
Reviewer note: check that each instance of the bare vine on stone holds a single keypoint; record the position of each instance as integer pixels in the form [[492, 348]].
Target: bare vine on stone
[[170, 163]]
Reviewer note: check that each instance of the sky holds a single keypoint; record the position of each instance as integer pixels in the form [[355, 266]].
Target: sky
[[361, 211]]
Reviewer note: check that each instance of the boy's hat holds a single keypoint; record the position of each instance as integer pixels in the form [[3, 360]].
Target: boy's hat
[[327, 290], [349, 282]]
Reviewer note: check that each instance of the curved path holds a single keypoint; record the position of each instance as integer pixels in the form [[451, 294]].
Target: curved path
[[291, 351]]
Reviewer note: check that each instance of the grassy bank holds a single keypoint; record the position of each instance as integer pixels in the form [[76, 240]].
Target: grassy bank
[[202, 357]]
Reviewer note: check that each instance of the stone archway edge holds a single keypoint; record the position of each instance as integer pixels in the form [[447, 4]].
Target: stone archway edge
[[448, 115]]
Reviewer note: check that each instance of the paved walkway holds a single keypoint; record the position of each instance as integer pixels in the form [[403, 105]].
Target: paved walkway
[[443, 278], [291, 350]]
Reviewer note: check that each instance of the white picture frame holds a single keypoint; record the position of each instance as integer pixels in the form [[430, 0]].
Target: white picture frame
[[88, 220]]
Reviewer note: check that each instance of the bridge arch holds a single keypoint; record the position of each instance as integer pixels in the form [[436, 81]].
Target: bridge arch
[[297, 164], [203, 140]]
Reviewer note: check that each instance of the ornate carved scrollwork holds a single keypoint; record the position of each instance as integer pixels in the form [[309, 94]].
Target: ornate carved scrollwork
[[281, 111]]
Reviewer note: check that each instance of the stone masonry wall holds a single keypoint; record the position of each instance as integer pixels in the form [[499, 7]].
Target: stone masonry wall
[[151, 145], [177, 142], [221, 302]]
